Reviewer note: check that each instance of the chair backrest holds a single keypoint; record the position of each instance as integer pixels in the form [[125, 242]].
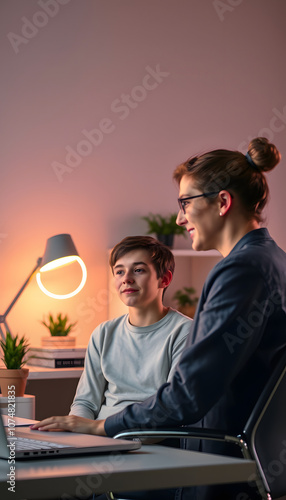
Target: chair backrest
[[265, 432]]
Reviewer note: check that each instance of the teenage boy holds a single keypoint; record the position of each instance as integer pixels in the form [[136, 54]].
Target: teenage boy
[[130, 357]]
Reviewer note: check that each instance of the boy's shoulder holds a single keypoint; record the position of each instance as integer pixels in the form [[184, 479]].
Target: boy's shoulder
[[106, 329], [178, 316], [109, 325]]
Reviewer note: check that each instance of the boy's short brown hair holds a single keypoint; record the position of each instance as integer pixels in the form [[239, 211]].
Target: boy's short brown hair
[[161, 256]]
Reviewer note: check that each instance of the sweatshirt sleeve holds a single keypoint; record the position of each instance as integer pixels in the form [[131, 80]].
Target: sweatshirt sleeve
[[221, 343], [90, 390], [180, 331]]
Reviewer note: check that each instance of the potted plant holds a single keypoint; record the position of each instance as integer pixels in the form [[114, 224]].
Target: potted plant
[[59, 329], [186, 300], [14, 376], [164, 227]]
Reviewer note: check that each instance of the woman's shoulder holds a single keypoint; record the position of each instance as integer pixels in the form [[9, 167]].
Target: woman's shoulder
[[261, 263]]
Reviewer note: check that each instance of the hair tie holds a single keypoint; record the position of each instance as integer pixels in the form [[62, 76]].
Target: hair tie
[[251, 162]]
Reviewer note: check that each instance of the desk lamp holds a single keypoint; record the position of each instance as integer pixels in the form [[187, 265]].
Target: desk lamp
[[60, 251]]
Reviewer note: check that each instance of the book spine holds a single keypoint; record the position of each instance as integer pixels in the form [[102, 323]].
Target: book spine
[[69, 363], [57, 363], [52, 354]]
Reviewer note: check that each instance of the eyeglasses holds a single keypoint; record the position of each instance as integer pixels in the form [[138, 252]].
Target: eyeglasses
[[182, 201]]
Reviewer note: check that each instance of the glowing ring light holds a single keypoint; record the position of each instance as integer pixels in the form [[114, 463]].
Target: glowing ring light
[[58, 263]]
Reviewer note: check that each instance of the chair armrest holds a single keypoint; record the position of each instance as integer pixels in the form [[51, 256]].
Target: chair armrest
[[183, 433]]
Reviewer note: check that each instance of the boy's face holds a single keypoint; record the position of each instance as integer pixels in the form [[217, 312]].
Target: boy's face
[[136, 279]]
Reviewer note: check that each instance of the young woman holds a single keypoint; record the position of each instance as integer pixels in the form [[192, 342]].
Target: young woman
[[239, 329]]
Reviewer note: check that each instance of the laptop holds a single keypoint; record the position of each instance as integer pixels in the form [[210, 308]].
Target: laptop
[[20, 442]]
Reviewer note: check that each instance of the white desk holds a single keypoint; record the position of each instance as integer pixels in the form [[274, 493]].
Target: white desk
[[150, 467]]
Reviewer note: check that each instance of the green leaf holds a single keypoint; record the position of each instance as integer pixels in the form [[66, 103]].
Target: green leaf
[[58, 327], [185, 296], [14, 351], [157, 224]]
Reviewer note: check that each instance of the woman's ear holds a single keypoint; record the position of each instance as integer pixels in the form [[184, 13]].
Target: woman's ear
[[166, 279], [225, 202]]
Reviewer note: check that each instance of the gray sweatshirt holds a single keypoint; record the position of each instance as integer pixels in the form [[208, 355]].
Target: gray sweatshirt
[[125, 364]]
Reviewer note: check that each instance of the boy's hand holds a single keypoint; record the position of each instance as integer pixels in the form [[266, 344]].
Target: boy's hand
[[71, 423]]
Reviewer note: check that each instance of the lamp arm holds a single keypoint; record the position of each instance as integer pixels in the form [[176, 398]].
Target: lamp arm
[[4, 316]]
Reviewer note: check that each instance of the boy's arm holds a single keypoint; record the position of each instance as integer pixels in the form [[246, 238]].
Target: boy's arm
[[90, 390], [179, 333]]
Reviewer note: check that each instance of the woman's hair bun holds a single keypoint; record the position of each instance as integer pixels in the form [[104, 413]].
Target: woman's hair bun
[[264, 154]]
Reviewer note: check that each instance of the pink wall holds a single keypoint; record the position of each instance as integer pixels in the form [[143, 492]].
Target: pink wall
[[67, 67]]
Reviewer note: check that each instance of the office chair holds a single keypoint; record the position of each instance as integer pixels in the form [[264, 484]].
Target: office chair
[[263, 438]]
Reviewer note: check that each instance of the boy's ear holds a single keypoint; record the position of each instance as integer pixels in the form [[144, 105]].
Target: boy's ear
[[166, 279]]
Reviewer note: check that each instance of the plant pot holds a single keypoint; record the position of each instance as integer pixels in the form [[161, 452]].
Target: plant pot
[[13, 382], [188, 310], [54, 341], [166, 239]]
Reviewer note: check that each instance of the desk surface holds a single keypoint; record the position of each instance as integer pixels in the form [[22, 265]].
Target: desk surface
[[150, 467]]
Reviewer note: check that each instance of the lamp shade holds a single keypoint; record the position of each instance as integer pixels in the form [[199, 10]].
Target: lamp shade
[[58, 247], [60, 250]]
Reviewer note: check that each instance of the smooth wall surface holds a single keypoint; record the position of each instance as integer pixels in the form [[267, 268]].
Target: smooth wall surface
[[99, 103]]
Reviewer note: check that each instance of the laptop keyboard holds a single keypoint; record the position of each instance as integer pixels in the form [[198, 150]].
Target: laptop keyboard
[[26, 444]]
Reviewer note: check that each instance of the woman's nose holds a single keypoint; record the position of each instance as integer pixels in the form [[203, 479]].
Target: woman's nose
[[181, 219]]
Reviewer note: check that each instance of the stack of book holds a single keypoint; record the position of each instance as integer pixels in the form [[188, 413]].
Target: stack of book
[[50, 357]]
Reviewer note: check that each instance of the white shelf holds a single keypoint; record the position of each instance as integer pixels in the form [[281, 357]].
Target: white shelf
[[193, 253], [187, 252], [40, 372]]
